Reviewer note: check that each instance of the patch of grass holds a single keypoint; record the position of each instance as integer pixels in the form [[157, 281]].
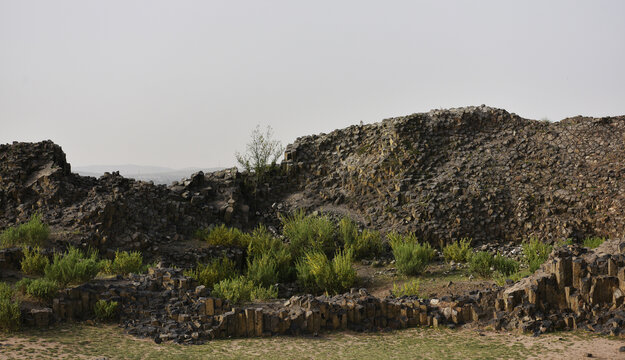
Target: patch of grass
[[500, 279], [124, 263], [593, 242], [32, 233], [72, 267], [317, 273], [535, 253], [263, 249], [480, 263], [213, 272], [224, 236], [42, 288], [34, 262], [263, 270], [409, 288], [458, 251], [9, 309], [105, 310], [411, 257], [505, 265], [242, 289], [368, 244], [308, 232]]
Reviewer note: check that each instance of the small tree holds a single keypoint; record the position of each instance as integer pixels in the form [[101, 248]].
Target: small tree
[[262, 151]]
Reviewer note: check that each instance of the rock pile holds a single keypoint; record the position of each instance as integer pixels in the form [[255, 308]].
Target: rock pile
[[573, 289]]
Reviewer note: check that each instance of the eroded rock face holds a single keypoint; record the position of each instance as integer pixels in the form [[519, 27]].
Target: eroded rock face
[[477, 172]]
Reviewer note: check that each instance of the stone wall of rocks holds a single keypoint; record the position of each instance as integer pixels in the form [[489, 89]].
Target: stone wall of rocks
[[165, 305]]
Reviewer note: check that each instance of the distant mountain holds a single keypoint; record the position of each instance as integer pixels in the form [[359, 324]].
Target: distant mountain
[[157, 174]]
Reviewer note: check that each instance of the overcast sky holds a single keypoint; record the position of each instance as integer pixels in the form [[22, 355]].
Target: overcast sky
[[183, 83]]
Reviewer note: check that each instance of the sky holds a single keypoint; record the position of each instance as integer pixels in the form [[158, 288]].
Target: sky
[[183, 83]]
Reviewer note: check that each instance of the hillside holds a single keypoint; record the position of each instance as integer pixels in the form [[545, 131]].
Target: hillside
[[474, 172]]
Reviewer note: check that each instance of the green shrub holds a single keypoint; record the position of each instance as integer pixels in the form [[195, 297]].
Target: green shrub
[[34, 262], [262, 293], [225, 236], [6, 292], [9, 309], [124, 263], [480, 263], [42, 288], [317, 273], [458, 251], [9, 314], [367, 244], [505, 265], [31, 233], [500, 279], [264, 245], [593, 242], [409, 288], [237, 289], [213, 272], [22, 284], [307, 233], [263, 270], [535, 253], [105, 310], [72, 267], [348, 231], [411, 257]]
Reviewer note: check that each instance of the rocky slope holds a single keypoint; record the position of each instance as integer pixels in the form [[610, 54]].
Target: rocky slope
[[471, 172]]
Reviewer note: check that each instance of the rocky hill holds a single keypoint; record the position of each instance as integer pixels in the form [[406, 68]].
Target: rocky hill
[[472, 172]]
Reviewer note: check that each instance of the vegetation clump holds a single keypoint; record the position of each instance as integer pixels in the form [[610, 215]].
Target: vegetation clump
[[9, 309], [411, 257], [72, 267], [317, 273], [262, 152], [241, 289], [535, 253], [105, 310], [458, 251], [32, 233], [367, 244], [33, 262], [593, 242], [41, 288], [308, 233], [125, 262], [213, 272], [480, 263], [224, 236], [409, 288]]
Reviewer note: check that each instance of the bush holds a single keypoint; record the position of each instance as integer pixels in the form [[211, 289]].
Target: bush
[[262, 152], [34, 262], [225, 236], [535, 253], [264, 245], [124, 263], [262, 293], [42, 288], [9, 309], [409, 288], [367, 244], [505, 265], [458, 251], [213, 272], [263, 270], [105, 310], [72, 267], [501, 278], [348, 231], [307, 233], [411, 257], [31, 233], [236, 289], [480, 263], [593, 242], [317, 273]]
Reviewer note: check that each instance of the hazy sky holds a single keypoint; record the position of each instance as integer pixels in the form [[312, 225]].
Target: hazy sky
[[183, 83]]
